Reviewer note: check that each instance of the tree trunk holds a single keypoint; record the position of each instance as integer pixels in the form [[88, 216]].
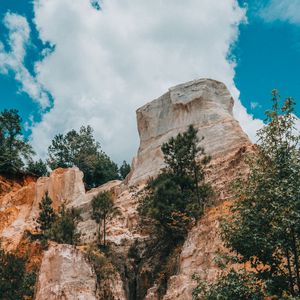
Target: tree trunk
[[296, 258], [197, 187], [291, 280], [104, 231], [99, 232]]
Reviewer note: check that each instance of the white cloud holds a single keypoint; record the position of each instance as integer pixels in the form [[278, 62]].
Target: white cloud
[[283, 10], [108, 63], [13, 60]]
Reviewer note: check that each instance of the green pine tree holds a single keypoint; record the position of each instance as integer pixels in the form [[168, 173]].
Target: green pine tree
[[47, 214], [176, 198], [103, 210], [64, 229], [124, 169]]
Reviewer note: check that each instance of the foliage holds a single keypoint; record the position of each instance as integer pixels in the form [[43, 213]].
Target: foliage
[[80, 149], [47, 215], [37, 168], [175, 199], [13, 147], [104, 270], [124, 169], [265, 226], [103, 210], [15, 282], [232, 286], [63, 230]]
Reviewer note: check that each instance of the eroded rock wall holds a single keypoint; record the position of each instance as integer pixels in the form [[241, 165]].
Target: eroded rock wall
[[206, 104], [66, 274]]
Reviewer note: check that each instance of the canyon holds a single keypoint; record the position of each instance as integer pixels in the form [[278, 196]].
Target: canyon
[[66, 272]]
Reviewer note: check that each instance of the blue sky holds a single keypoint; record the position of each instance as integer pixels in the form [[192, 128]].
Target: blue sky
[[266, 54], [268, 57]]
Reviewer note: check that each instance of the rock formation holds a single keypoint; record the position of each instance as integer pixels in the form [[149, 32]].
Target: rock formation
[[65, 273], [206, 104]]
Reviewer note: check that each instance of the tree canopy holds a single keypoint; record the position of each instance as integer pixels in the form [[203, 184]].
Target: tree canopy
[[13, 147], [15, 282], [103, 210], [124, 169], [264, 228], [80, 149], [176, 197]]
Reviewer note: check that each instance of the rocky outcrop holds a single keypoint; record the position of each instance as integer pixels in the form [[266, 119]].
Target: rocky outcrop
[[19, 208], [206, 104], [66, 274]]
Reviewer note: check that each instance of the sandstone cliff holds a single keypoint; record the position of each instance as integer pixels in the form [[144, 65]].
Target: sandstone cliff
[[65, 272], [206, 104]]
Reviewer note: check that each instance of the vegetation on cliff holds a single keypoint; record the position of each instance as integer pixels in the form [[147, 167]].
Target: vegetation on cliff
[[264, 227], [16, 283], [14, 148], [82, 150], [72, 149], [173, 202], [60, 227], [176, 198], [103, 210]]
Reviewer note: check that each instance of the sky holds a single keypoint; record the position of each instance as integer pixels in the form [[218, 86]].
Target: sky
[[66, 63]]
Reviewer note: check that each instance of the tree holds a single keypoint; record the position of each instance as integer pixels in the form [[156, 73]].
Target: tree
[[175, 199], [103, 210], [47, 214], [180, 155], [15, 282], [265, 226], [64, 229], [80, 149], [37, 168], [232, 286], [124, 169], [13, 147]]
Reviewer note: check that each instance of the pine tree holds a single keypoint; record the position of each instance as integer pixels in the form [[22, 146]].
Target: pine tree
[[103, 210], [64, 229], [176, 198], [13, 147], [124, 169], [47, 214]]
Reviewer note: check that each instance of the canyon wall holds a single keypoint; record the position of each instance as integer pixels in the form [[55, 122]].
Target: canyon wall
[[65, 272], [206, 104]]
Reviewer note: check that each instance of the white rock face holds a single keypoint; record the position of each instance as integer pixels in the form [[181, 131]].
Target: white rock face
[[65, 274], [206, 104]]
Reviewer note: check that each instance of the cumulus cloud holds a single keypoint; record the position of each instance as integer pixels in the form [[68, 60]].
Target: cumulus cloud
[[13, 59], [283, 10], [108, 62]]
